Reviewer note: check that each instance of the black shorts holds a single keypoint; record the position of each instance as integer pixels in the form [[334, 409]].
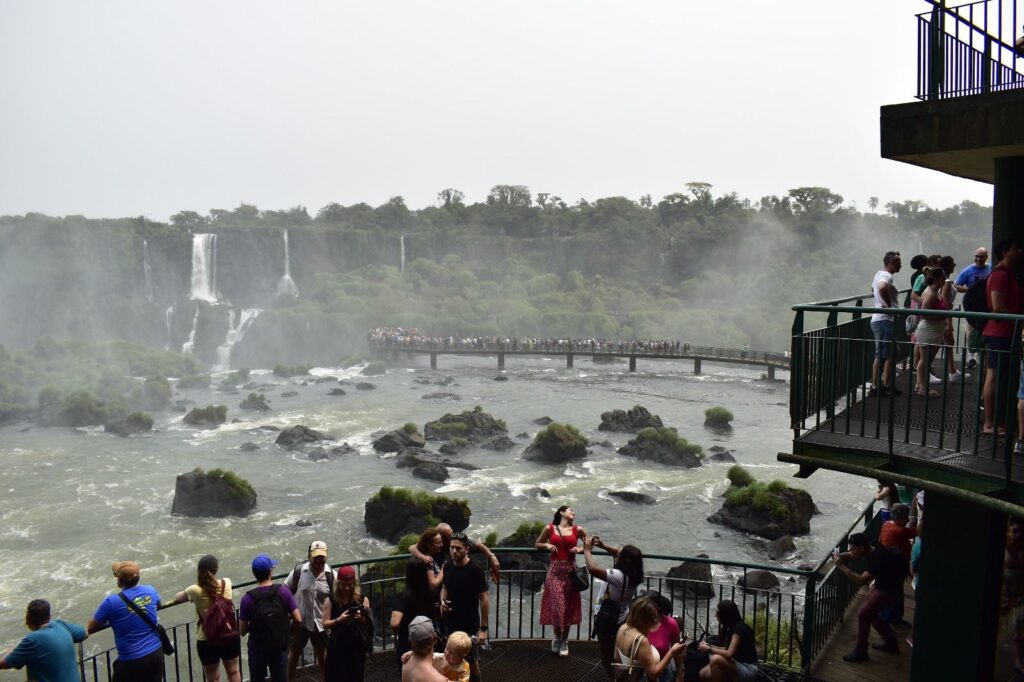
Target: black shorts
[[300, 635], [998, 352], [210, 654], [148, 668]]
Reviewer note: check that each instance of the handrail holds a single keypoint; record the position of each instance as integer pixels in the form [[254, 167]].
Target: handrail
[[904, 312], [951, 12]]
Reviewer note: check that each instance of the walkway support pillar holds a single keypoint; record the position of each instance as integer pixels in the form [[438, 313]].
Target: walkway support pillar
[[1007, 200], [433, 361], [568, 360], [696, 365], [632, 363], [972, 539], [501, 361], [771, 371]]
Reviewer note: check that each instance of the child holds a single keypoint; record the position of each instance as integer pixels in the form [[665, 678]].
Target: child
[[452, 664]]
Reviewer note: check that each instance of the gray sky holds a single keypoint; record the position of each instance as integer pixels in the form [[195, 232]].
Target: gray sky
[[121, 108]]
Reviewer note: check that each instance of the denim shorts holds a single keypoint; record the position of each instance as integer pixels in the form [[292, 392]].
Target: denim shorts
[[1020, 389], [882, 329]]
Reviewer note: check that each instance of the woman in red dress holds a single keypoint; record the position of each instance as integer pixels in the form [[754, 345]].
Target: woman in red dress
[[560, 605]]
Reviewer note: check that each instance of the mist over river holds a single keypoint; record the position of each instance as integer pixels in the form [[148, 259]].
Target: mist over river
[[74, 500]]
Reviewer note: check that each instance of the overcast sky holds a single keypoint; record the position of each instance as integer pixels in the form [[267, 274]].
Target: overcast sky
[[129, 107]]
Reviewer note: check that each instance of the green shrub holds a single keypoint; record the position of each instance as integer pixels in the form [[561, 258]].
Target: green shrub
[[288, 371], [141, 421], [352, 359], [155, 393], [374, 368], [563, 434], [211, 414], [410, 427], [194, 381], [82, 408], [239, 376], [778, 632], [422, 499], [239, 487], [717, 417], [491, 539], [459, 442], [670, 438], [739, 477], [761, 496]]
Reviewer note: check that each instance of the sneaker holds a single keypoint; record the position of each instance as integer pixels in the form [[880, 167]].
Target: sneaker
[[889, 391], [555, 643], [955, 377], [856, 656], [563, 648], [932, 379], [1018, 449], [872, 392], [972, 364], [891, 647]]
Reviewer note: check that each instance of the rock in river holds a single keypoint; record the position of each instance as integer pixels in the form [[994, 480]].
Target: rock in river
[[298, 436], [629, 421], [215, 493]]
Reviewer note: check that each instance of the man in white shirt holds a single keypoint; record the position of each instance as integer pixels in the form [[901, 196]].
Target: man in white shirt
[[886, 296], [311, 583]]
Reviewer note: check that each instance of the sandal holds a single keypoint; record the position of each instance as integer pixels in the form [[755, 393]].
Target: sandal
[[932, 393], [1000, 433]]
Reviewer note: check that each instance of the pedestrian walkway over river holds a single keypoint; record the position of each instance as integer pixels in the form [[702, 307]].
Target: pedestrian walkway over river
[[385, 342]]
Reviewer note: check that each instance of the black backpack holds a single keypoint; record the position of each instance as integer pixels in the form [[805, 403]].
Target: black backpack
[[976, 301], [270, 624], [293, 578]]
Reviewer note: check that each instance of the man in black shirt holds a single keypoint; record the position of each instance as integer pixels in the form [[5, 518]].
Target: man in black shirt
[[887, 567], [465, 601]]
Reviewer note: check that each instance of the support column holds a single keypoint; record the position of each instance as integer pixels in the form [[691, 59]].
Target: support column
[[964, 557], [1007, 200], [501, 361], [632, 363], [771, 371], [433, 361], [696, 365], [568, 360]]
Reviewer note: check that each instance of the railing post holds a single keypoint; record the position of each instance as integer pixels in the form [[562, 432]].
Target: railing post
[[632, 363], [501, 360], [986, 66], [810, 609], [433, 361], [796, 379]]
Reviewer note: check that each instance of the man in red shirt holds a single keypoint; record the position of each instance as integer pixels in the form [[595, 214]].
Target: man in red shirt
[[1004, 296], [894, 533]]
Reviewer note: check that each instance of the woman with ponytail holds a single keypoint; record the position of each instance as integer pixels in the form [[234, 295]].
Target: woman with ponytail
[[207, 592]]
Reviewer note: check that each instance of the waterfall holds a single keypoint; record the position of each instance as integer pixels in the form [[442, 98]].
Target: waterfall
[[190, 345], [169, 317], [204, 268], [286, 285], [235, 334], [146, 271], [401, 254]]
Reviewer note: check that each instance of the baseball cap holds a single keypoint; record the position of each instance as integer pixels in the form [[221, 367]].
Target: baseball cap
[[125, 570], [346, 573], [262, 564], [421, 630], [317, 548]]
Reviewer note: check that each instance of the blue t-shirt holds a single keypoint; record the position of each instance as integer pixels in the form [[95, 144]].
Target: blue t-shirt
[[971, 274], [133, 638], [49, 652]]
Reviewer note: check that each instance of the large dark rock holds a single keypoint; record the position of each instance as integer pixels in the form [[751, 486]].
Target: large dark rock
[[533, 563], [431, 471], [210, 416], [336, 391], [412, 458], [394, 512], [555, 444], [133, 424], [248, 447], [441, 395], [632, 497], [475, 426], [629, 421], [365, 386], [720, 454], [759, 581], [215, 493], [789, 514], [663, 446], [780, 547], [498, 444], [692, 578], [298, 436], [543, 421], [256, 402], [398, 440]]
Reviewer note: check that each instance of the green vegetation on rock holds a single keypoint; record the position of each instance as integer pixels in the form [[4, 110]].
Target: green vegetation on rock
[[211, 415], [739, 477], [237, 486], [287, 371], [375, 368], [410, 427], [140, 421], [194, 381], [422, 499], [562, 435], [718, 417], [761, 496], [670, 438]]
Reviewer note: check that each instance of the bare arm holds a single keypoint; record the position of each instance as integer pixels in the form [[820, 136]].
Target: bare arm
[[492, 561], [859, 579], [485, 613], [180, 598], [93, 626], [592, 566], [417, 554], [999, 302], [542, 541], [243, 627]]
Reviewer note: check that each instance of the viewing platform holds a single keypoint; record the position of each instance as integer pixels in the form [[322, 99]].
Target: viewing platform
[[384, 343]]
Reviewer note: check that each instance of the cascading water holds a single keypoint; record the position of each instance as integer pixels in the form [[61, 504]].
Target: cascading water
[[146, 271], [286, 285], [401, 254], [169, 317], [235, 334], [204, 268], [190, 345]]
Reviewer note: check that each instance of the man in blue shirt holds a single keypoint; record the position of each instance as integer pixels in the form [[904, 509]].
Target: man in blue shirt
[[976, 271], [140, 656], [49, 650]]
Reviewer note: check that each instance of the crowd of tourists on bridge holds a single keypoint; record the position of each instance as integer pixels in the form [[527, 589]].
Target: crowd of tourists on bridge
[[439, 624], [411, 338]]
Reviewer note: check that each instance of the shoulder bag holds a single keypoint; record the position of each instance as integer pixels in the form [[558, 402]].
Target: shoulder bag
[[607, 619], [165, 641], [579, 579], [633, 671]]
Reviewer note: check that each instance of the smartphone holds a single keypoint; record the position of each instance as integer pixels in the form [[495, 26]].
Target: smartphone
[[353, 610], [835, 552]]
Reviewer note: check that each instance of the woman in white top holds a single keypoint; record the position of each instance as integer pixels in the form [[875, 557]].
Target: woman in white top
[[622, 579], [632, 647]]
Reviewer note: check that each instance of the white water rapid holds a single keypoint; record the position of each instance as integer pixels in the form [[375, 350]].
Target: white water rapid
[[286, 285], [401, 254], [204, 268], [235, 334], [169, 317], [146, 271], [190, 345]]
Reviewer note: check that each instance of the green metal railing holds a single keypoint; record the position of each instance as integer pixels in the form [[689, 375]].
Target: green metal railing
[[792, 625], [832, 371]]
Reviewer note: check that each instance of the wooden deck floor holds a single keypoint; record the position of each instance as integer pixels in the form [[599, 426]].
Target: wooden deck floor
[[883, 666]]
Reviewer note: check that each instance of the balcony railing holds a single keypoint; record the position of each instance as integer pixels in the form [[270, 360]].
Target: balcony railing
[[792, 624], [967, 49], [832, 404]]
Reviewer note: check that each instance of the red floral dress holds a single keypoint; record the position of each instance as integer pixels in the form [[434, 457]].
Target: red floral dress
[[560, 604]]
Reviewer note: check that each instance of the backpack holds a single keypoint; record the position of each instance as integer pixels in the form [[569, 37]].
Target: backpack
[[293, 578], [219, 624], [976, 301], [269, 627]]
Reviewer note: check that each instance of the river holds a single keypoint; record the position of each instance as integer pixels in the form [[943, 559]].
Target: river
[[75, 500]]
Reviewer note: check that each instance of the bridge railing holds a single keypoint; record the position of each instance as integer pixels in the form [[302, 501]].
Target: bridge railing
[[831, 375], [792, 622], [967, 49]]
